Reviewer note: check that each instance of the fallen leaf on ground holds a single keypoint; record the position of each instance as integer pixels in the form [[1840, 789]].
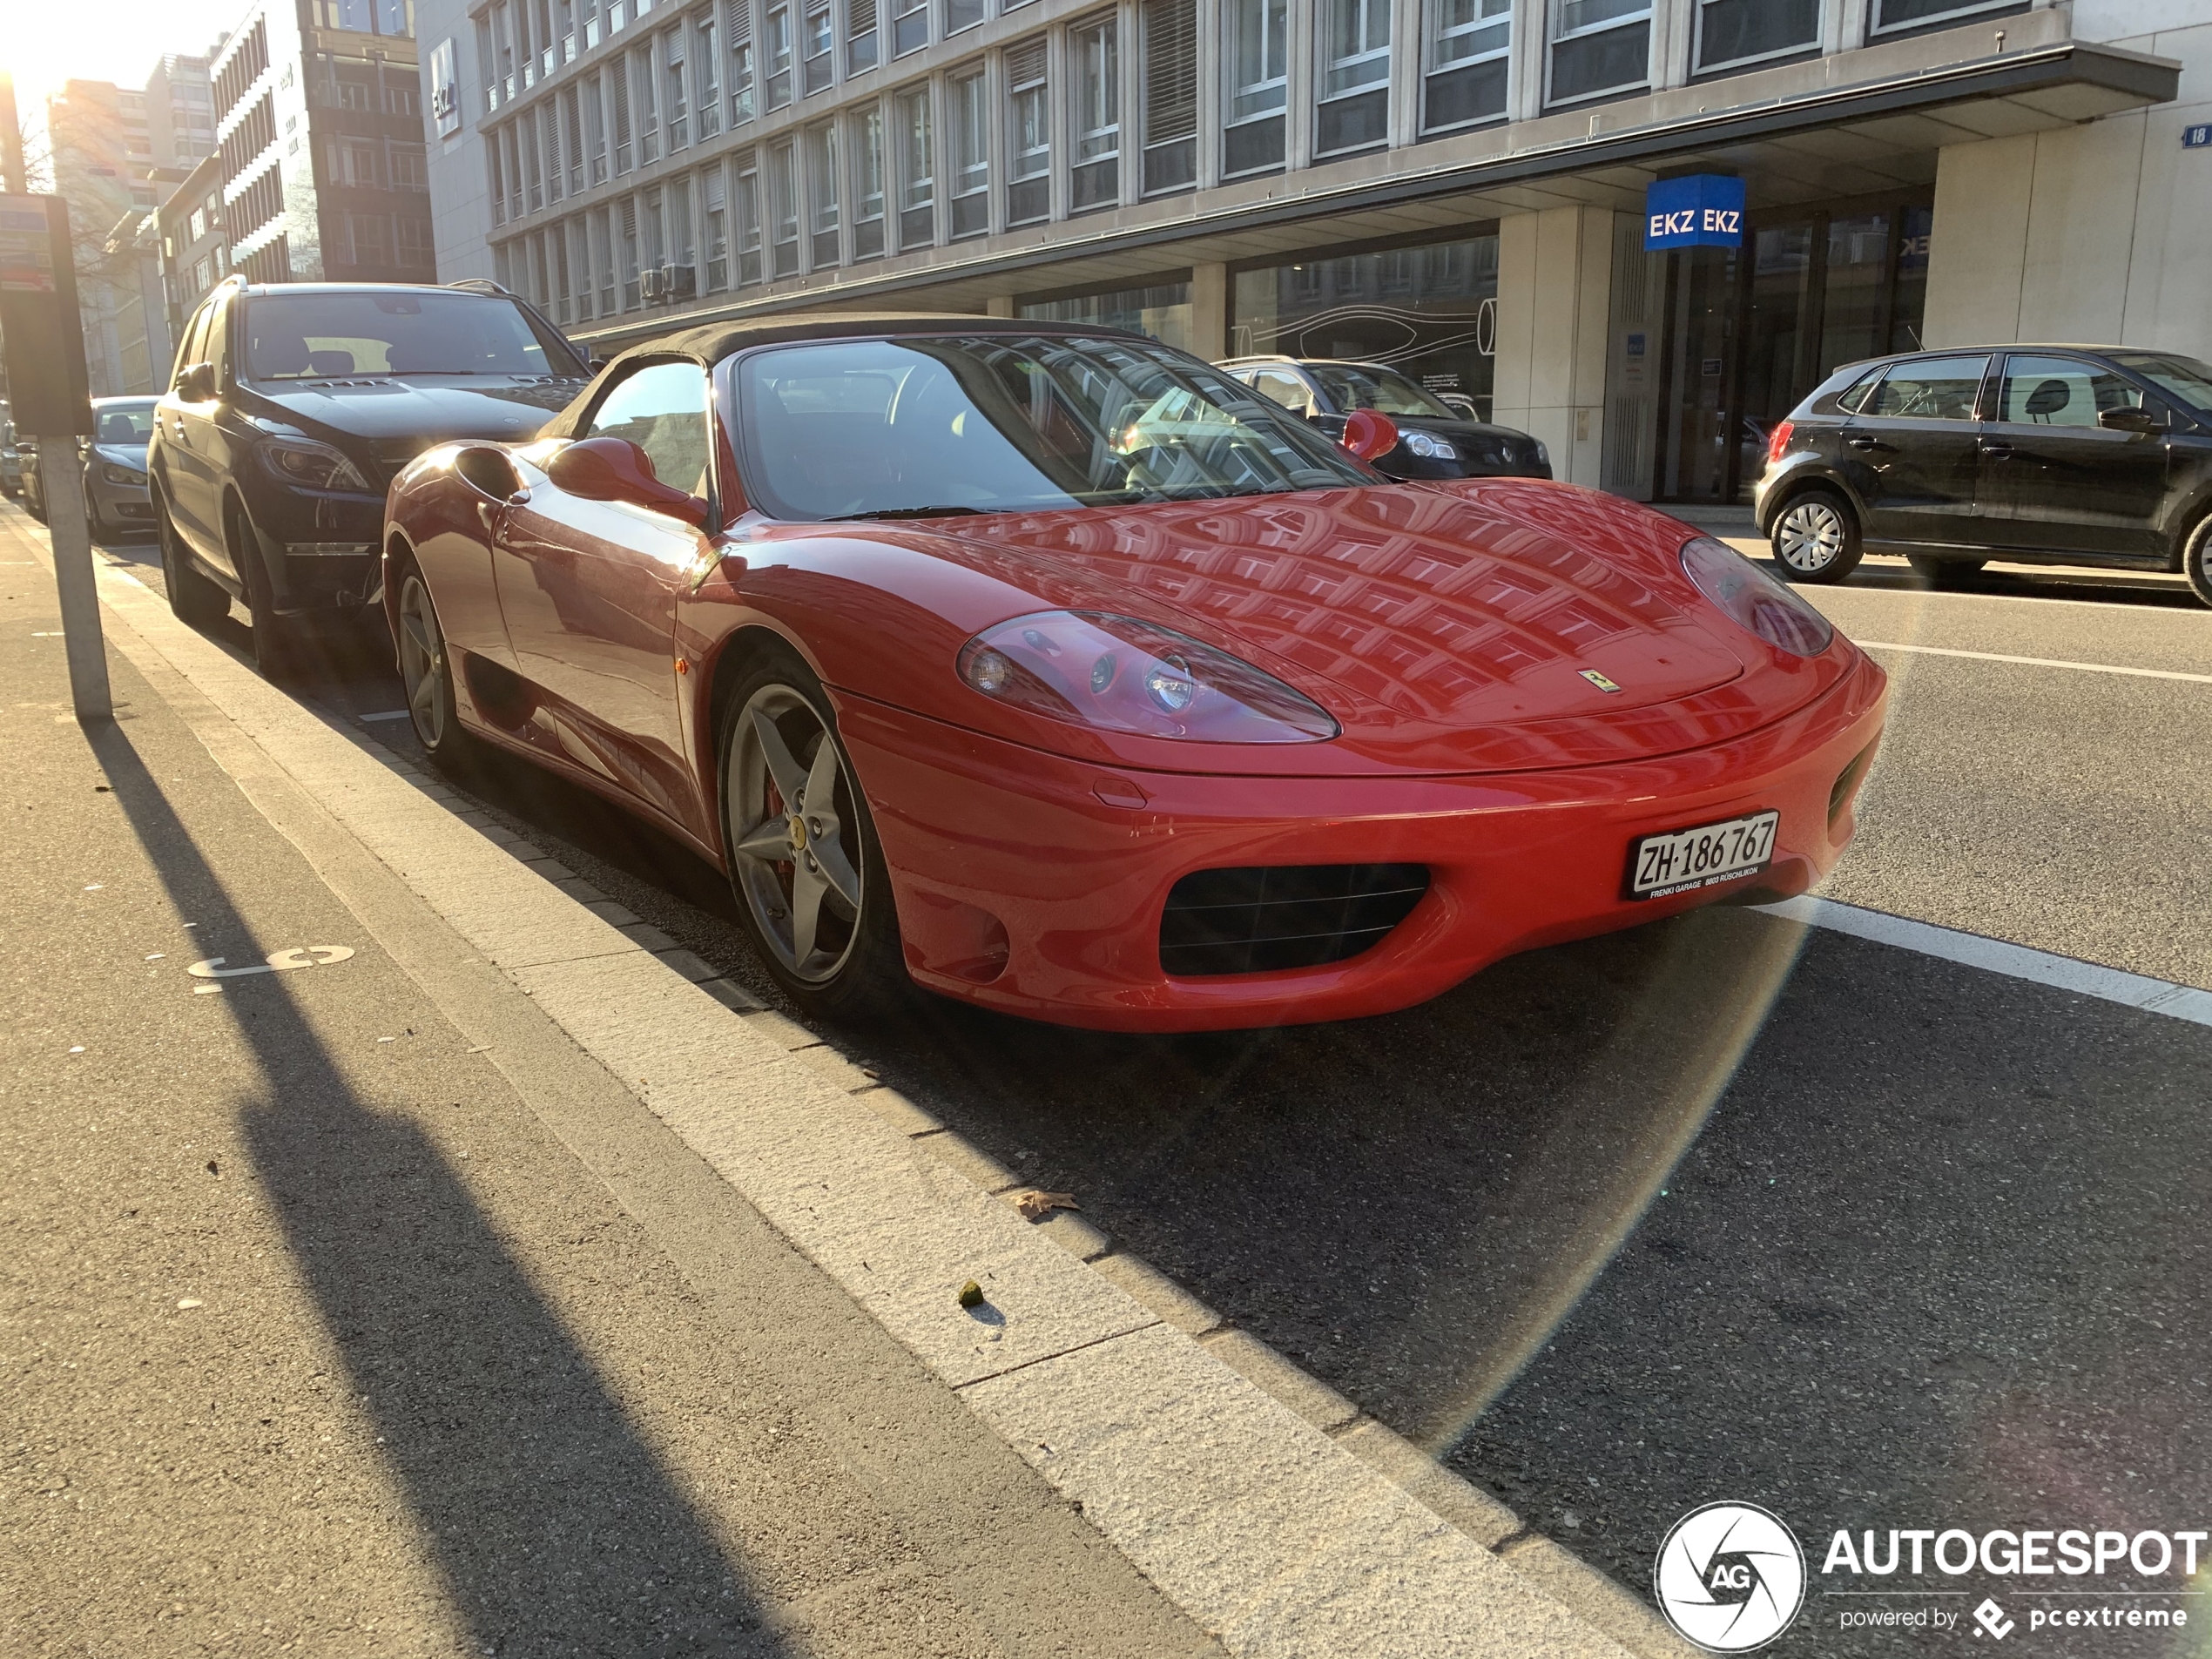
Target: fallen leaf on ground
[[1035, 1205]]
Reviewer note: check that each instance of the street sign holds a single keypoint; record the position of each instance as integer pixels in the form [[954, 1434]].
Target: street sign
[[2198, 136], [1699, 210]]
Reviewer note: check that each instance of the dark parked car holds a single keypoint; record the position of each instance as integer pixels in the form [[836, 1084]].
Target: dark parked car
[[11, 467], [292, 408], [1434, 440], [2066, 454]]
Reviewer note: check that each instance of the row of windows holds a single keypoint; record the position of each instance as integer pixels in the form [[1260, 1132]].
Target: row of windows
[[374, 163], [245, 141], [374, 243], [244, 67], [366, 16]]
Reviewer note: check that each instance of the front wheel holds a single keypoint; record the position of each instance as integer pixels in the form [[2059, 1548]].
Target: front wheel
[[1816, 537], [425, 672], [803, 861], [2196, 561]]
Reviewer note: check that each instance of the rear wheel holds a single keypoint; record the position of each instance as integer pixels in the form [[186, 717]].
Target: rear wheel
[[804, 860], [425, 672], [1945, 573], [2196, 561], [1816, 537], [195, 600]]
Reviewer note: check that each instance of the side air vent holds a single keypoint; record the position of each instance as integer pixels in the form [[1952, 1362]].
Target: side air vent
[[1265, 919]]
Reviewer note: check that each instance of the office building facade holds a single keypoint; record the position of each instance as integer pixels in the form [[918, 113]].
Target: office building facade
[[1457, 186]]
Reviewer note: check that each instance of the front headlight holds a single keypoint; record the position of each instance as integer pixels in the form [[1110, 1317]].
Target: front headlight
[[314, 466], [125, 476], [1426, 444], [1754, 600], [1116, 674]]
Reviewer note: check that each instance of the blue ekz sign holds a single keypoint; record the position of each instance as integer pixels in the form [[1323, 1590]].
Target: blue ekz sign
[[1704, 210]]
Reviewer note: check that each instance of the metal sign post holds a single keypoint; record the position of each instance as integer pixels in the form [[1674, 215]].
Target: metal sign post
[[51, 400]]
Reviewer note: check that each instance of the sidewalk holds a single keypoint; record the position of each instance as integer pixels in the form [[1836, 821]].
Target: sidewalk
[[328, 1336]]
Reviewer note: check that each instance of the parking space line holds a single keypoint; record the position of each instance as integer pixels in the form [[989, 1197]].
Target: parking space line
[[2174, 1002], [2035, 662]]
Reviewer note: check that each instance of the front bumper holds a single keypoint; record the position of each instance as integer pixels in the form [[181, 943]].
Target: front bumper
[[120, 505], [1034, 884]]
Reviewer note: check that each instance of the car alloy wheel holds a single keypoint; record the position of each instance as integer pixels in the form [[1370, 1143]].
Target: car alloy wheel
[[2196, 561], [1811, 535], [423, 667], [796, 835]]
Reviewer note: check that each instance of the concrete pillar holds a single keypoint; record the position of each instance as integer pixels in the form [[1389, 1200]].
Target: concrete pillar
[[999, 305], [1555, 298], [1209, 311]]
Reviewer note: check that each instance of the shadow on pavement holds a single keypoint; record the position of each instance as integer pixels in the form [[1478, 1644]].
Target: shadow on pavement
[[555, 1526]]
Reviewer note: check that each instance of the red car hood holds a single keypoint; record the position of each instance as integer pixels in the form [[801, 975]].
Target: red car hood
[[1447, 627]]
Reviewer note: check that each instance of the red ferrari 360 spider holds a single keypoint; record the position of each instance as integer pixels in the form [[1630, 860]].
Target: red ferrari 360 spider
[[1057, 672]]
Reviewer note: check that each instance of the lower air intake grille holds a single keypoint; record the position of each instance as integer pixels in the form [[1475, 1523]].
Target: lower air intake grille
[[1266, 919]]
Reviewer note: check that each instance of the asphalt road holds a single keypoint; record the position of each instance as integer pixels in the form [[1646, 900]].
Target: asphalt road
[[320, 1339], [1716, 1209]]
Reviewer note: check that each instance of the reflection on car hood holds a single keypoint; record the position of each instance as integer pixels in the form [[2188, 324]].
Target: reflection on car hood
[[123, 454], [1463, 430], [508, 408]]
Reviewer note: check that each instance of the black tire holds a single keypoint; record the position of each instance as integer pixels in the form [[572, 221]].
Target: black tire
[[427, 671], [195, 600], [2196, 560], [276, 639], [1816, 537], [861, 970], [1945, 573]]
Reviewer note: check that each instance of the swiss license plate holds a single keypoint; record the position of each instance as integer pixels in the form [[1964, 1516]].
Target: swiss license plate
[[1680, 860]]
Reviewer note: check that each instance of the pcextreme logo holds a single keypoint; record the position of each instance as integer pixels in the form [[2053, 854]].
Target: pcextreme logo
[[1730, 1577]]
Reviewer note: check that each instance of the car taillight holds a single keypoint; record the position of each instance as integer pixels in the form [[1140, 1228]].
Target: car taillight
[[1778, 440]]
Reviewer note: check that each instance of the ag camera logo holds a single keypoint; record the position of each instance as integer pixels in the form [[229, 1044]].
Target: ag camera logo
[[1730, 1577]]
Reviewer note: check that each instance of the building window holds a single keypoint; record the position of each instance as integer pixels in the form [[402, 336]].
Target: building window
[[1470, 42], [572, 139], [1161, 310], [859, 35], [647, 104], [777, 43], [370, 233], [414, 244], [814, 66], [407, 171], [868, 183], [580, 262], [909, 26], [822, 221], [1093, 177], [603, 261], [1599, 47], [971, 138], [1168, 35], [714, 210], [626, 216], [510, 140], [674, 91], [1354, 111], [709, 100], [748, 207], [917, 171], [1258, 86], [595, 129], [962, 14], [618, 86], [1912, 14], [1742, 32], [737, 24], [682, 250], [783, 208], [533, 173], [1029, 134]]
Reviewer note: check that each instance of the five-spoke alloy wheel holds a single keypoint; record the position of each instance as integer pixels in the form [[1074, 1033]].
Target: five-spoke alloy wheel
[[1815, 539], [425, 672], [802, 861]]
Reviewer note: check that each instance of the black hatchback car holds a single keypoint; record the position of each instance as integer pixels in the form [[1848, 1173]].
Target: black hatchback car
[[2066, 454], [292, 407], [1434, 440]]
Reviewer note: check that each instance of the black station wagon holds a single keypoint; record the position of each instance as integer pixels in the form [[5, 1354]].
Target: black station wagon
[[2064, 455]]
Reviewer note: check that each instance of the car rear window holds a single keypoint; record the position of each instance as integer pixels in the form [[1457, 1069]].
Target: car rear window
[[1930, 388]]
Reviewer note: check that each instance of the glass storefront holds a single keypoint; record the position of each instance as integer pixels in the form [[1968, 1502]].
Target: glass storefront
[[1713, 345], [1162, 310], [1429, 311]]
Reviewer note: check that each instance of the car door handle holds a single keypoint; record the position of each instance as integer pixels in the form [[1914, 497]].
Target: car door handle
[[1998, 451], [1865, 443]]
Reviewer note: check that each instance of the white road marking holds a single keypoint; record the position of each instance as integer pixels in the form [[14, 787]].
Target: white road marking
[[2000, 956], [2036, 662], [389, 714], [282, 962]]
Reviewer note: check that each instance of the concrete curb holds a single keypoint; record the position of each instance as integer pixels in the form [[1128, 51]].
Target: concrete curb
[[1257, 1498]]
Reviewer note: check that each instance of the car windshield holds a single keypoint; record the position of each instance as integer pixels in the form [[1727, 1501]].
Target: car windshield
[[1006, 422], [331, 334], [1364, 385], [124, 422], [2180, 377]]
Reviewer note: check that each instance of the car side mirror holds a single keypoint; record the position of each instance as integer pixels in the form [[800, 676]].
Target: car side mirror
[[197, 384], [1369, 434], [616, 469], [2130, 420]]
